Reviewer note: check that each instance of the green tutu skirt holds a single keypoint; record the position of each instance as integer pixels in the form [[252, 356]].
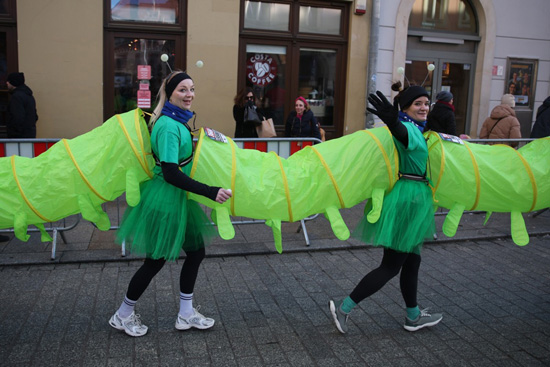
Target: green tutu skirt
[[164, 222], [406, 221]]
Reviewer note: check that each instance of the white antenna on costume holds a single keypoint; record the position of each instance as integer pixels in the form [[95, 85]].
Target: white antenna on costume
[[401, 71], [431, 67], [165, 58]]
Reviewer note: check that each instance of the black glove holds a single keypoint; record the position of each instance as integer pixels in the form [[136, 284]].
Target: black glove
[[390, 115], [383, 108]]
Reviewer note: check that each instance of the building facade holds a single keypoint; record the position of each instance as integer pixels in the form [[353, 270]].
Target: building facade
[[88, 60]]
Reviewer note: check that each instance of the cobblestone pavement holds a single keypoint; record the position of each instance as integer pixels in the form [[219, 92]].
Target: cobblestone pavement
[[271, 310]]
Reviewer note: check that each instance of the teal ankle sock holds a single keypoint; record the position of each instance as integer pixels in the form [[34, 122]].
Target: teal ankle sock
[[348, 305], [413, 312]]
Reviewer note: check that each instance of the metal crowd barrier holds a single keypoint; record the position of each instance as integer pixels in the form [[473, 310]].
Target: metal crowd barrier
[[31, 148]]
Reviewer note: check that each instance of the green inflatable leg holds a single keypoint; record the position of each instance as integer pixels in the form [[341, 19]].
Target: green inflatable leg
[[377, 200], [44, 236], [487, 216], [277, 236], [337, 223], [93, 214], [133, 195], [519, 231], [453, 219], [220, 216], [20, 227]]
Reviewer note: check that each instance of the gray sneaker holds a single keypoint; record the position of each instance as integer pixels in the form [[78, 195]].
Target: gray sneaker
[[131, 325], [425, 319], [197, 320], [340, 317]]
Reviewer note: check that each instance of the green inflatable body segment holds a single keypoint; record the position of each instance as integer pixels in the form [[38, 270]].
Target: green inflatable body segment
[[342, 172], [77, 176], [322, 178], [491, 178]]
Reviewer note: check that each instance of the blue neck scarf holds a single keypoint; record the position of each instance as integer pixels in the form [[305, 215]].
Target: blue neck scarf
[[177, 113], [419, 124]]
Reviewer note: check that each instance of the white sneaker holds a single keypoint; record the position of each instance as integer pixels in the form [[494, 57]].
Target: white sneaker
[[131, 325], [196, 320]]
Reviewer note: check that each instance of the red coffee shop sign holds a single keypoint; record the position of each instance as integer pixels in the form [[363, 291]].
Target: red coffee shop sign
[[261, 69]]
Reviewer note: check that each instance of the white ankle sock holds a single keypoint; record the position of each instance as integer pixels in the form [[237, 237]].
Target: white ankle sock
[[126, 308], [186, 304]]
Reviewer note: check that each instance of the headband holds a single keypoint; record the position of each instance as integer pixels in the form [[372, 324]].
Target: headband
[[302, 99], [173, 83]]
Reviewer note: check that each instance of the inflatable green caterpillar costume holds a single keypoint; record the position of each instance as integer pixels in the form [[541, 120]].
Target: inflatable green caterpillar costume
[[76, 176]]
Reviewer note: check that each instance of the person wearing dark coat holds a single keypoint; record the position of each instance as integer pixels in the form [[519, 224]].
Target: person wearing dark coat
[[302, 122], [245, 129], [22, 116], [442, 117], [541, 128]]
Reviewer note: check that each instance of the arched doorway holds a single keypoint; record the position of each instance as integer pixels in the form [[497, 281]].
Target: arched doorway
[[444, 33], [479, 88]]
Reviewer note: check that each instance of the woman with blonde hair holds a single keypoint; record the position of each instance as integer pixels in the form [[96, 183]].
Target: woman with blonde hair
[[165, 222]]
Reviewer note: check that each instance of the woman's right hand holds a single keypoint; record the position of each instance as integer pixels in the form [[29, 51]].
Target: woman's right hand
[[223, 195], [383, 108]]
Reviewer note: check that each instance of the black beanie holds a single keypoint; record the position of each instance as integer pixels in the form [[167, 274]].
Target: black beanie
[[16, 79], [409, 95]]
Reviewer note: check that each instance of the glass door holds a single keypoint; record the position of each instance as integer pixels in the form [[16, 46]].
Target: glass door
[[316, 76], [266, 74], [449, 75]]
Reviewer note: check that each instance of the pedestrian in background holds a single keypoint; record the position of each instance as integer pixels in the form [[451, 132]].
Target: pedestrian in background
[[442, 116], [245, 129], [302, 122], [165, 222], [502, 123], [541, 128], [22, 116], [407, 216]]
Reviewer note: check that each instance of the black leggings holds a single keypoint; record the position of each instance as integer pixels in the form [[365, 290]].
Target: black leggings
[[392, 263], [188, 276]]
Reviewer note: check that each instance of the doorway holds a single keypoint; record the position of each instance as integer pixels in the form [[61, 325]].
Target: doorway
[[451, 75]]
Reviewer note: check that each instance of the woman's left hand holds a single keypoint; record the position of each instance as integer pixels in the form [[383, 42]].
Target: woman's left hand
[[223, 195]]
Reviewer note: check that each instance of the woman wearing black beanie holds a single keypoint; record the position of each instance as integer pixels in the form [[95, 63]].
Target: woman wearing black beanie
[[407, 216]]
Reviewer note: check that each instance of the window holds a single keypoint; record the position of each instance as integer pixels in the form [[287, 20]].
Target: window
[[443, 15], [320, 20], [263, 15], [316, 82], [145, 11], [137, 33], [290, 49]]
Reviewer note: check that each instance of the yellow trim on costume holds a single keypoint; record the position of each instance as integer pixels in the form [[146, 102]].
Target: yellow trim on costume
[[442, 165], [384, 154], [476, 175], [14, 171], [233, 175], [287, 191], [330, 175], [141, 144], [143, 164], [532, 178], [82, 176]]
